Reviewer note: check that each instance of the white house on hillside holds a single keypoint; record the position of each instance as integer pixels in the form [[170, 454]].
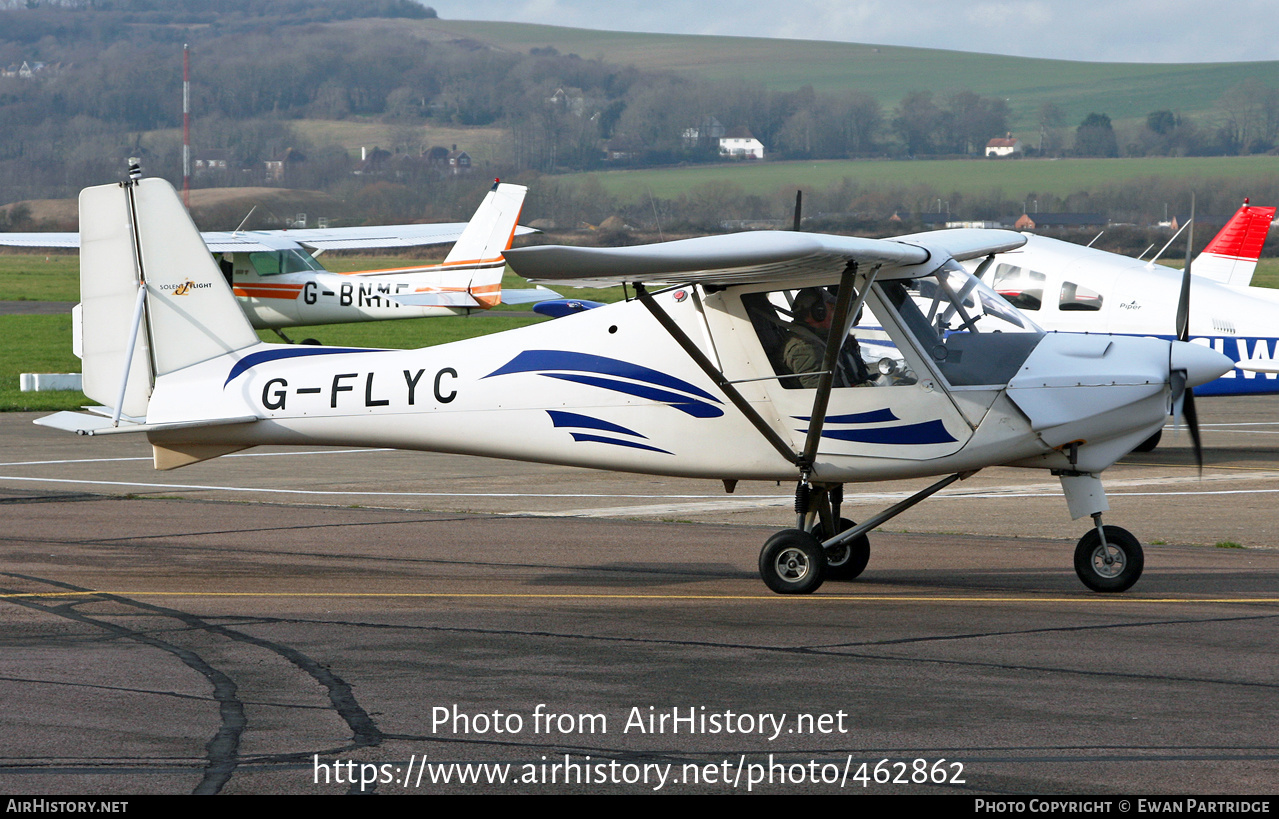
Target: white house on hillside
[[739, 143]]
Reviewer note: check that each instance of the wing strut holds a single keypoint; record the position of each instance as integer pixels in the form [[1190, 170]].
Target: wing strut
[[725, 386], [834, 342]]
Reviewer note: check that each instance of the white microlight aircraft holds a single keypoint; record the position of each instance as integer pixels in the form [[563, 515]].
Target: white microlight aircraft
[[280, 284], [1071, 288], [691, 380]]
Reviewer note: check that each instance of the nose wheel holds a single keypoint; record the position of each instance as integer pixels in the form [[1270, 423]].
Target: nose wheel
[[1110, 565]]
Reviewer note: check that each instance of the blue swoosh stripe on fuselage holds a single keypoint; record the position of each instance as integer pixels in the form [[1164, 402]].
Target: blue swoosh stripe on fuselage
[[697, 409], [559, 418], [925, 432], [878, 416], [539, 360], [253, 359], [599, 439]]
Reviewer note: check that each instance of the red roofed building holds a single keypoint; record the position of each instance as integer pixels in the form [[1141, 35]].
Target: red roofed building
[[1004, 146]]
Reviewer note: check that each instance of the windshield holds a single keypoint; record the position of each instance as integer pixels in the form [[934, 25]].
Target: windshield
[[969, 331]]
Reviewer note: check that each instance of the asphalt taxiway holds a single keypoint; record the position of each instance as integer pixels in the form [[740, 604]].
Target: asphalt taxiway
[[282, 621]]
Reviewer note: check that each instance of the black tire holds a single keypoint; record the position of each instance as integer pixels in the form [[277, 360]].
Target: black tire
[[1150, 443], [1127, 560], [314, 342], [848, 560], [792, 562]]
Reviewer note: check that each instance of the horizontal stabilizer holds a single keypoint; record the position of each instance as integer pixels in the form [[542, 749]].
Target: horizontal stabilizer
[[527, 296], [84, 424], [435, 298]]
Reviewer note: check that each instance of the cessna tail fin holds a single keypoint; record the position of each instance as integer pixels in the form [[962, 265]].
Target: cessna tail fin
[[491, 229], [153, 299], [1231, 257]]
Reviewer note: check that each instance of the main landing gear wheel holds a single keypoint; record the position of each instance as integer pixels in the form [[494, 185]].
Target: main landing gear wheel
[[792, 562], [1112, 567], [847, 560]]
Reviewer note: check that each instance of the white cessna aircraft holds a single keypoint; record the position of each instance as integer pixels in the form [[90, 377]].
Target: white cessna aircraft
[[689, 380], [1071, 288], [280, 284]]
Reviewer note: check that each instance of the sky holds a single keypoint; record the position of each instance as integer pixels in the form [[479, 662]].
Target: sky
[[1175, 31]]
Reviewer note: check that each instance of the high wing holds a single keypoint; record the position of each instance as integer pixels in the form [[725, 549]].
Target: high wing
[[40, 239], [751, 257], [314, 239]]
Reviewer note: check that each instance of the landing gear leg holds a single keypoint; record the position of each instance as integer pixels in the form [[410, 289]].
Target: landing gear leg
[[782, 576], [845, 560]]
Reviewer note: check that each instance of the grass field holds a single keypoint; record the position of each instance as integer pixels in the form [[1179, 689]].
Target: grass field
[[1015, 179], [1125, 91]]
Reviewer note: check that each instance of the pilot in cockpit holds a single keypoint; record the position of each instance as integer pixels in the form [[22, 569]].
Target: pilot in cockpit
[[805, 346]]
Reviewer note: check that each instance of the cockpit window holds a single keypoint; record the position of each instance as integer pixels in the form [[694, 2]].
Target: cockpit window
[[275, 262], [793, 326], [973, 335]]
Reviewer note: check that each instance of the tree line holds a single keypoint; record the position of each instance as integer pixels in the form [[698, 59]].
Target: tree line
[[110, 86]]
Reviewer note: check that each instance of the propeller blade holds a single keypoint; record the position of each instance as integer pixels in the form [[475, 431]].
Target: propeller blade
[[799, 201], [1183, 303], [1192, 423]]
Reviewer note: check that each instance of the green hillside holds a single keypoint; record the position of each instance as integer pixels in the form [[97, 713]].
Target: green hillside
[[1125, 91]]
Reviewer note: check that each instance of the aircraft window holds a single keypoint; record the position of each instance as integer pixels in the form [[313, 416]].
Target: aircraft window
[[1076, 297], [296, 261], [970, 331], [266, 264], [273, 263], [1024, 289], [792, 328]]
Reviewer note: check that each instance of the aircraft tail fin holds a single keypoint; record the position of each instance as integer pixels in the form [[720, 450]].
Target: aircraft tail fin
[[153, 299], [1231, 256], [491, 229]]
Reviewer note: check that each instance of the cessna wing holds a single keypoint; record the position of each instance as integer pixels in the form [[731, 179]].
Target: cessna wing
[[313, 239]]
